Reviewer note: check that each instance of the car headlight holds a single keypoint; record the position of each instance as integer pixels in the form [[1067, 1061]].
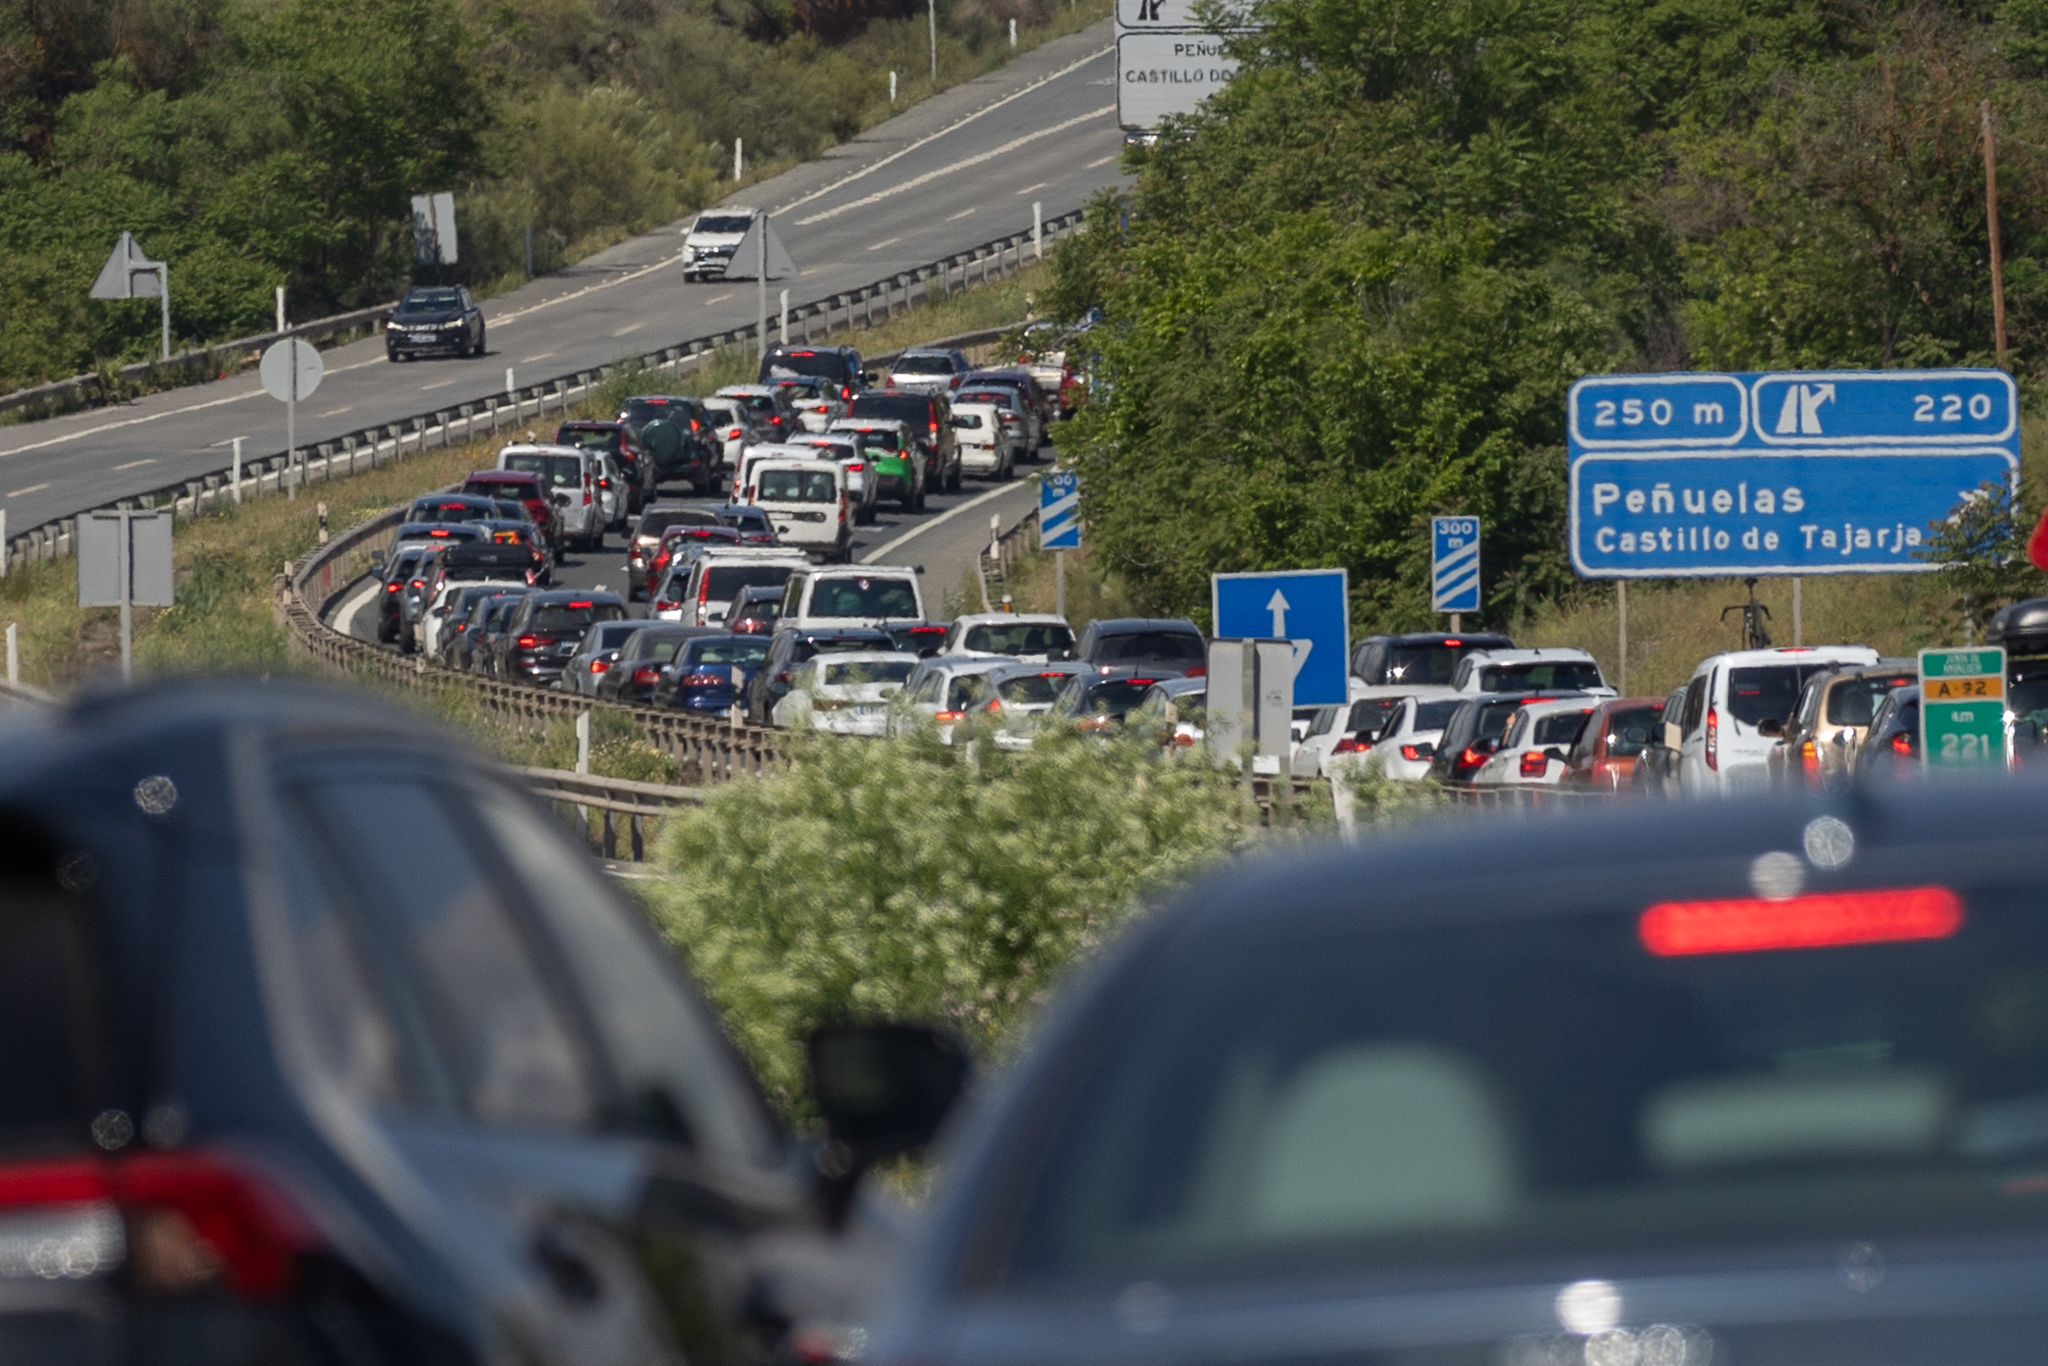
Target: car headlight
[[689, 254]]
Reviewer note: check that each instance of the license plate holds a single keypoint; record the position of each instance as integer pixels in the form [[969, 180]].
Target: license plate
[[803, 517], [420, 336], [566, 648]]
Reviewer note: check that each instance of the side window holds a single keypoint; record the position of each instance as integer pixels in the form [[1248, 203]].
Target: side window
[[433, 901], [1695, 704]]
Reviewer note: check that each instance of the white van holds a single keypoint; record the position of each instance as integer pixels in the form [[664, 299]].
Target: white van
[[988, 445], [570, 474], [1736, 707], [857, 595], [743, 472], [717, 576], [809, 503]]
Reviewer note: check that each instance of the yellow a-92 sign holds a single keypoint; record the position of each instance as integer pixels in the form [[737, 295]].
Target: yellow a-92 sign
[[1980, 689]]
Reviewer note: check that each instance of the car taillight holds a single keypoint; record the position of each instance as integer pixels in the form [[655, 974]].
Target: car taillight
[[529, 642], [598, 666], [603, 484], [735, 434], [854, 467], [646, 677], [1469, 759], [177, 1222], [1902, 744], [1809, 757], [784, 677], [1351, 744], [994, 707], [948, 718], [1199, 671], [664, 605], [1713, 740], [393, 587], [1417, 753], [1829, 920], [702, 680], [1535, 763]]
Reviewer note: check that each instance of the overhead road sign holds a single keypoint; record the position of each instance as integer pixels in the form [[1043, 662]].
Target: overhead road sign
[[1454, 564], [1824, 472], [1309, 607], [1160, 74], [1962, 708], [1059, 511]]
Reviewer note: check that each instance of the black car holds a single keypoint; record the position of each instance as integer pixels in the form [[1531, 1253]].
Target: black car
[[1418, 658], [930, 419], [476, 650], [1891, 749], [450, 649], [1748, 1081], [755, 610], [395, 579], [679, 438], [839, 365], [789, 647], [540, 636], [645, 542], [1092, 700], [324, 1044], [1474, 732], [637, 670], [1024, 383], [1153, 644], [439, 318]]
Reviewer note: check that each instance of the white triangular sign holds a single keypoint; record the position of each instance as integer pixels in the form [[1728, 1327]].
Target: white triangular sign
[[746, 257]]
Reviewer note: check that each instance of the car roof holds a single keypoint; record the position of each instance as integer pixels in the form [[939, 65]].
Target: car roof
[[548, 597], [1530, 655], [1788, 654], [1124, 626], [1021, 668], [544, 448], [1017, 618], [953, 664], [1479, 639]]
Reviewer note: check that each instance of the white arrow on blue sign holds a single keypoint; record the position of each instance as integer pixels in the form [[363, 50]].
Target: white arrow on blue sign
[[1310, 607], [1454, 564], [1059, 511]]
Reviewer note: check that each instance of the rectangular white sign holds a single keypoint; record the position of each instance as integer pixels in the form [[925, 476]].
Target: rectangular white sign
[[1158, 74]]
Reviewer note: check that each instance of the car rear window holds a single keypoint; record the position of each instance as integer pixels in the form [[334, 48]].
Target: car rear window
[[1435, 715], [915, 409], [427, 510], [1428, 663], [1853, 701], [1379, 1099], [970, 422], [1628, 731], [1014, 638], [487, 489], [1116, 697], [724, 581], [565, 617], [1767, 692], [868, 671], [638, 412], [797, 486], [1370, 715], [1561, 729], [589, 439], [880, 439], [1001, 398], [1031, 690], [653, 523], [1568, 675], [838, 645], [53, 998], [1162, 645], [864, 598], [561, 471], [830, 365], [738, 650]]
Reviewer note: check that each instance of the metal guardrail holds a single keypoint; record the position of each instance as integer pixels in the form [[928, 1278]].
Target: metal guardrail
[[369, 447], [611, 810]]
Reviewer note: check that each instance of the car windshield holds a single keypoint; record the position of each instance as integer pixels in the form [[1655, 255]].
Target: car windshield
[[867, 671], [864, 598], [430, 301], [1379, 1098], [724, 581], [1052, 639], [1435, 715], [558, 617], [1852, 701], [723, 224], [561, 471], [734, 650], [797, 486], [1767, 692], [1428, 663], [1161, 645], [1561, 675], [1031, 690]]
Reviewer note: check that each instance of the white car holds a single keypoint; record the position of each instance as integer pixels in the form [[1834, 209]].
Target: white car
[[1554, 669], [944, 692], [847, 694], [433, 623], [1020, 695], [753, 455], [809, 503], [1532, 751], [1736, 707], [612, 494], [1021, 417], [855, 595], [1036, 637], [1353, 728], [735, 427], [709, 241], [816, 403], [988, 445], [867, 489], [1407, 741], [702, 589]]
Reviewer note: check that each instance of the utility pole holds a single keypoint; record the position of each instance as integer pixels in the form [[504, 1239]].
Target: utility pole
[[1991, 217], [932, 13]]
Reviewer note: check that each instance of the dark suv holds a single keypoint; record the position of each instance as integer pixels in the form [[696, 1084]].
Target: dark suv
[[438, 318], [618, 440], [677, 433], [1420, 657], [930, 419], [323, 1044], [537, 641], [1146, 644]]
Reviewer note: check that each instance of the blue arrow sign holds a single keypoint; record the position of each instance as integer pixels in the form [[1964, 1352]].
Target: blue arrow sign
[[1059, 511], [1454, 564], [1310, 607], [1820, 472]]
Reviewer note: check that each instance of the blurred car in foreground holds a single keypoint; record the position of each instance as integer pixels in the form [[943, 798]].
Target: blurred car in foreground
[[323, 1045], [1744, 1082]]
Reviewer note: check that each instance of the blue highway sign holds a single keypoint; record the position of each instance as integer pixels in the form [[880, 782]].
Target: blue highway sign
[[1454, 564], [1059, 511], [1820, 472], [1310, 607]]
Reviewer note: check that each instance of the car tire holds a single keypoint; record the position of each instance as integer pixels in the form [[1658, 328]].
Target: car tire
[[957, 478], [479, 341], [919, 505]]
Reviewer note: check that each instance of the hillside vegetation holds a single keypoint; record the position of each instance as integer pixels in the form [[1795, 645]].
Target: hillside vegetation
[[1353, 292], [258, 143]]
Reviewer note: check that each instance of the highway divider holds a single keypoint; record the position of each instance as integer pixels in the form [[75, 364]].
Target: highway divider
[[386, 442]]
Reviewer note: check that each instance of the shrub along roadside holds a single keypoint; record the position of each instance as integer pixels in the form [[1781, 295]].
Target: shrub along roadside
[[910, 879]]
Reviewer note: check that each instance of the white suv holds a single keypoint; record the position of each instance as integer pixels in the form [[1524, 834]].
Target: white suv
[[855, 595], [570, 474], [709, 240], [1555, 669], [1736, 707]]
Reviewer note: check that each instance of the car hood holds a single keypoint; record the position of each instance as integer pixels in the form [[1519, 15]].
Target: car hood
[[438, 315]]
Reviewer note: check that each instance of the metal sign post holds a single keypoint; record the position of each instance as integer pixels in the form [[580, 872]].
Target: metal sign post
[[1962, 708], [124, 561], [129, 274], [291, 370], [1059, 526], [771, 262]]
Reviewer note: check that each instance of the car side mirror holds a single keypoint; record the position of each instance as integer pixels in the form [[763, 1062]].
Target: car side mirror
[[1771, 728], [883, 1090]]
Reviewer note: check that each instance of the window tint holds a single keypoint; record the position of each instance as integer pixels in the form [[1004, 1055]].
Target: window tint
[[422, 880], [1560, 730], [726, 580], [867, 671], [1034, 638], [1548, 675], [52, 1006], [674, 1066], [864, 598], [1695, 701], [1371, 715], [560, 471], [734, 650], [968, 691], [1766, 692], [797, 486], [1435, 715], [1174, 646], [1629, 731], [562, 617], [1853, 701], [1030, 689]]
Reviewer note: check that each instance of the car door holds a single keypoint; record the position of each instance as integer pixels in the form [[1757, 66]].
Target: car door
[[1692, 741]]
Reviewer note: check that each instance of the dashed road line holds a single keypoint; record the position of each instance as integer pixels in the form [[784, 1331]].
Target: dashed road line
[[135, 464], [23, 493]]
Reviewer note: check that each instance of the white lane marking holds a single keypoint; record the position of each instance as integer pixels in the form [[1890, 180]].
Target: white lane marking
[[808, 270], [874, 556], [1100, 162], [718, 299], [32, 488], [990, 155], [135, 464], [345, 614], [529, 360], [1032, 189], [337, 412], [503, 318], [438, 384], [885, 242], [908, 148], [964, 213], [128, 422], [629, 327]]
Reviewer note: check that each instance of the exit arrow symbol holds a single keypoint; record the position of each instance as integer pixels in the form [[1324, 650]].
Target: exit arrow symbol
[[1277, 605]]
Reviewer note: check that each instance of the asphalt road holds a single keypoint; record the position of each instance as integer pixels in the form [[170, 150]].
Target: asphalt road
[[962, 168]]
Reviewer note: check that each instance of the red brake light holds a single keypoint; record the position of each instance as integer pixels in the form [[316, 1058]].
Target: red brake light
[[598, 666], [664, 605], [1902, 744], [1454, 644], [1677, 929], [578, 606], [1535, 763], [646, 676], [947, 718], [1199, 671], [1809, 756], [1713, 740], [1470, 758], [1417, 753], [393, 587], [855, 466], [1351, 744], [528, 642]]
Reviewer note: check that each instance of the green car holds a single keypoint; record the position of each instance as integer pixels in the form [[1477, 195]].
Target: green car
[[893, 452]]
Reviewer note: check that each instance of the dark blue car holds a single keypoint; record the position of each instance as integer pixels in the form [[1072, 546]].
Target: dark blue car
[[709, 672]]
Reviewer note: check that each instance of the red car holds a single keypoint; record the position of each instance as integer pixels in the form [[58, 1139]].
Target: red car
[[526, 490], [1607, 749]]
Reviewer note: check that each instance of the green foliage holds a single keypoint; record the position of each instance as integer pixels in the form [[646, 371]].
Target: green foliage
[[904, 878], [1352, 292], [1982, 549]]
